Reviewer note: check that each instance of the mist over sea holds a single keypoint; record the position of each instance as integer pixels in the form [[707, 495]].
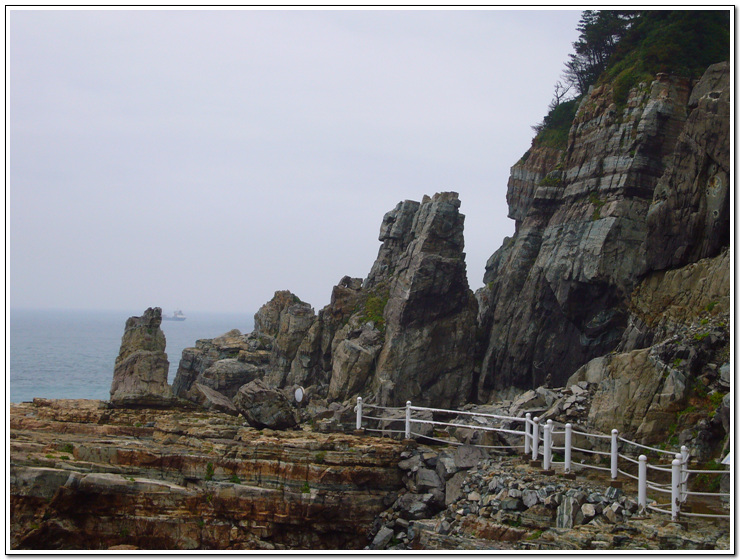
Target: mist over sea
[[70, 354]]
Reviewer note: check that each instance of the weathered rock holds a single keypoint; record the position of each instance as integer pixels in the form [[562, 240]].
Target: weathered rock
[[354, 361], [213, 400], [396, 232], [430, 316], [689, 217], [427, 479], [189, 489], [665, 302], [453, 487], [227, 375], [140, 374], [382, 538], [555, 293], [244, 357], [566, 512], [467, 456], [264, 407], [294, 320]]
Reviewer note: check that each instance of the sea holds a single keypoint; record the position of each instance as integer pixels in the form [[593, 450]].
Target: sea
[[70, 354]]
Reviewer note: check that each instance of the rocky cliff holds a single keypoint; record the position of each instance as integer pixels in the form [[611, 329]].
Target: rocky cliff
[[408, 331], [640, 188], [609, 234]]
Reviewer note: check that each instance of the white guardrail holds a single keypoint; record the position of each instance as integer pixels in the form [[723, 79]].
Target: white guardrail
[[531, 442]]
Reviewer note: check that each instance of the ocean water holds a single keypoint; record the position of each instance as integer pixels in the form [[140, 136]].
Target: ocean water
[[71, 354]]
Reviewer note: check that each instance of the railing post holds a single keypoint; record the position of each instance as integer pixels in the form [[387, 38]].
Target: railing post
[[527, 433], [408, 419], [568, 443], [614, 453], [675, 486], [684, 474], [642, 483], [535, 437], [359, 413], [546, 446]]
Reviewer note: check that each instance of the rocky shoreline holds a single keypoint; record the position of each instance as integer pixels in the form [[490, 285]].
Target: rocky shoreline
[[85, 475]]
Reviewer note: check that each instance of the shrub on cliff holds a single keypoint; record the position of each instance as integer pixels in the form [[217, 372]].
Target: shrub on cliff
[[683, 42]]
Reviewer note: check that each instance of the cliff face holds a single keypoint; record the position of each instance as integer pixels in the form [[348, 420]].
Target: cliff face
[[592, 225]]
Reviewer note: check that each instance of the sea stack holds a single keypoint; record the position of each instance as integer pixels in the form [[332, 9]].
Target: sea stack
[[140, 374]]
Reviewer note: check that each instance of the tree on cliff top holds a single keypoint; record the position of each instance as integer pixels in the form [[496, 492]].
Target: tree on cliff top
[[627, 47], [600, 33], [676, 42]]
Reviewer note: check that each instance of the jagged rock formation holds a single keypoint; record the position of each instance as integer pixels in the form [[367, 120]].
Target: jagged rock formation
[[431, 313], [140, 374], [592, 226], [406, 332], [223, 364]]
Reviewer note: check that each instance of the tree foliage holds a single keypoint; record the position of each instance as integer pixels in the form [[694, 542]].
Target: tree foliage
[[626, 47], [600, 33]]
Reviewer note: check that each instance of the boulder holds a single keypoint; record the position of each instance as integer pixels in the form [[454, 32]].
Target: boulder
[[382, 538], [265, 407], [353, 362], [427, 479], [467, 456], [454, 487], [244, 357], [141, 368], [213, 400]]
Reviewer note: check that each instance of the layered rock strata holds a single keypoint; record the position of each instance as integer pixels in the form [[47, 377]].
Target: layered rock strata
[[87, 476], [592, 226]]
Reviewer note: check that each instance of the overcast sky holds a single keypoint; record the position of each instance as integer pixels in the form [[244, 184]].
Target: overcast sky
[[205, 159]]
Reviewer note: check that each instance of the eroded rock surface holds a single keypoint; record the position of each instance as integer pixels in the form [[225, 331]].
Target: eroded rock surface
[[140, 374], [87, 476], [592, 225], [407, 331]]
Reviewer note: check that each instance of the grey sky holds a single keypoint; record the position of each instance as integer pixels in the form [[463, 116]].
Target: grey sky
[[204, 159]]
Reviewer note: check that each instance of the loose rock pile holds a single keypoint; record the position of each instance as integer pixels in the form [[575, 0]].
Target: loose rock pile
[[462, 499]]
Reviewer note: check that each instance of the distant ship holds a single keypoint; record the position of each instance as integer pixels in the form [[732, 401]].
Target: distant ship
[[176, 316]]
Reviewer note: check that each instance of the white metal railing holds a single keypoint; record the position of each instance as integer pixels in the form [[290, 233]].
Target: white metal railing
[[678, 469]]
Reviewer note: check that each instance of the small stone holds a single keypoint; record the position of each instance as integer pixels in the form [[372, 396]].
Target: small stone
[[589, 511], [382, 538], [530, 498]]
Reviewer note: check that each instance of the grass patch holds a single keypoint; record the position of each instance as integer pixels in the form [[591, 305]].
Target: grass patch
[[597, 203]]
